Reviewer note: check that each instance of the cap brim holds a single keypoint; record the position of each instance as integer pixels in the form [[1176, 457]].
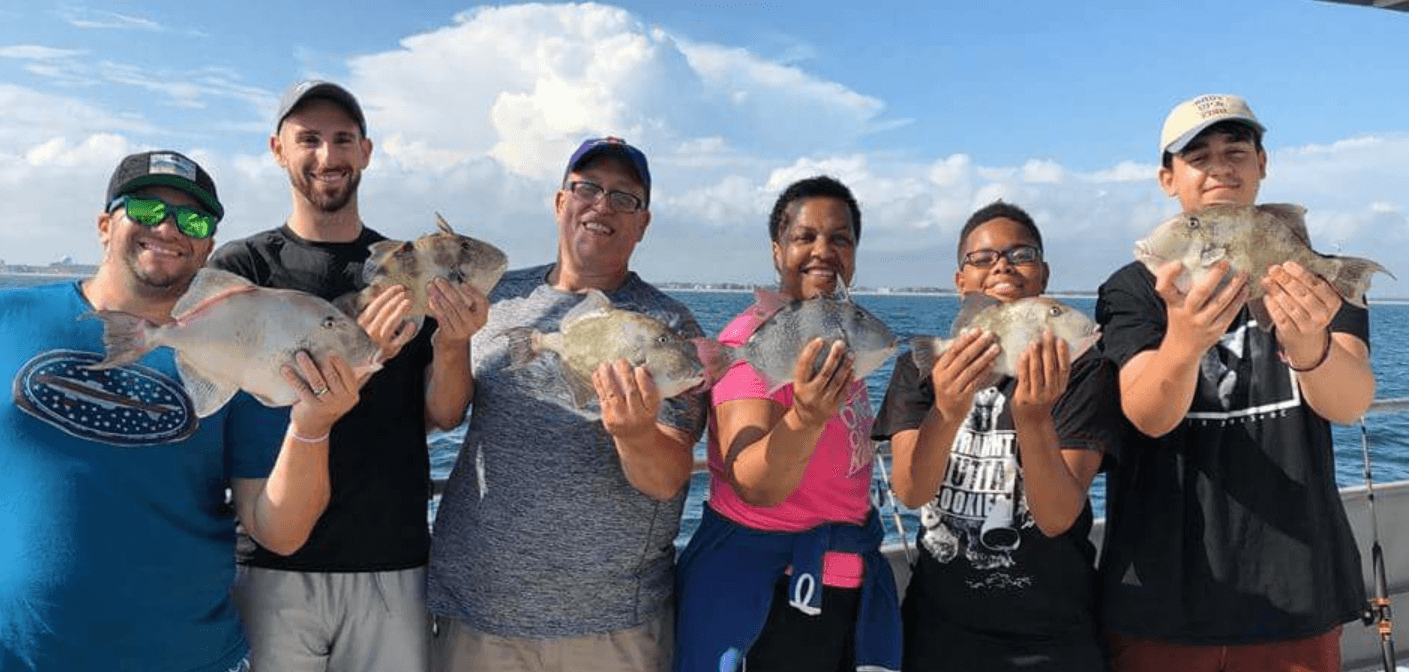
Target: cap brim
[[1183, 141], [180, 184]]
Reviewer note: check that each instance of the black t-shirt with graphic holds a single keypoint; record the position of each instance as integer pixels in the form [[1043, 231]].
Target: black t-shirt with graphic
[[1228, 529], [985, 571], [378, 460]]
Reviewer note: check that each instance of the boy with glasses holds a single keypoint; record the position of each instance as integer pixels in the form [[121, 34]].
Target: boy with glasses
[[116, 542], [553, 545], [353, 598], [1227, 546], [1000, 471]]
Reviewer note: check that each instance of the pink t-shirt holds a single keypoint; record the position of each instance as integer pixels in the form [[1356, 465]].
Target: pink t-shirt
[[835, 487]]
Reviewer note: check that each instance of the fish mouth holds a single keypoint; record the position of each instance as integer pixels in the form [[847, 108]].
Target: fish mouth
[[1145, 252]]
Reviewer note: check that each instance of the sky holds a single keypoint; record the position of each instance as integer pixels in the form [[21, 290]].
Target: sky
[[927, 110]]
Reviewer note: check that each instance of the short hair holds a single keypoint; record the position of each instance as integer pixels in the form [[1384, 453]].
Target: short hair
[[812, 187], [1237, 131], [998, 210]]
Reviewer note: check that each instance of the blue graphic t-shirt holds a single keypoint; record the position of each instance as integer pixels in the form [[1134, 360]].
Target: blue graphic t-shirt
[[116, 544]]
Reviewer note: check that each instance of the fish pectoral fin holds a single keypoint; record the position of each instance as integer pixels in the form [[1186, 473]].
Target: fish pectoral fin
[[207, 394], [584, 395]]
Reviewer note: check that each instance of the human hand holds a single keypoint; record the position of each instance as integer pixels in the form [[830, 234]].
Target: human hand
[[1044, 369], [1302, 305], [817, 397], [958, 372], [459, 311], [1198, 318], [629, 399], [326, 392], [384, 320]]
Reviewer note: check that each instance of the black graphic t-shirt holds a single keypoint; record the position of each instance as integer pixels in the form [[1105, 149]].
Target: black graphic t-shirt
[[1228, 529], [378, 461], [985, 569]]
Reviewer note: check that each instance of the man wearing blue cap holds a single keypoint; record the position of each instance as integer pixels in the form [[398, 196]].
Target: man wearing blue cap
[[553, 545], [115, 531]]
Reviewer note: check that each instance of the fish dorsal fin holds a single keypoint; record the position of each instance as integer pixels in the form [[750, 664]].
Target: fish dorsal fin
[[207, 394], [593, 303], [209, 284], [767, 302], [1291, 214], [443, 225], [970, 306], [379, 253]]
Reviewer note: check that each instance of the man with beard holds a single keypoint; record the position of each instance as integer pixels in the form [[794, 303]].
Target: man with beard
[[115, 535], [353, 598]]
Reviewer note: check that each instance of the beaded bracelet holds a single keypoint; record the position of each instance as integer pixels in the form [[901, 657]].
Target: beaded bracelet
[[1325, 353], [308, 439]]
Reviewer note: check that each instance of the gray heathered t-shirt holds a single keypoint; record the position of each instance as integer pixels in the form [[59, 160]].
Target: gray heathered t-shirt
[[539, 534]]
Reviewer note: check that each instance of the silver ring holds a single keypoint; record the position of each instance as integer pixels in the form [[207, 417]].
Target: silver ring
[[320, 391]]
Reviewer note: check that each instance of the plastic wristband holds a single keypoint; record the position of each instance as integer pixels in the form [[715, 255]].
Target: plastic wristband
[[308, 439], [1325, 354]]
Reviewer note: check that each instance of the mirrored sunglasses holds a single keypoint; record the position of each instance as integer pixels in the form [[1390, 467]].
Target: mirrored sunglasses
[[149, 212]]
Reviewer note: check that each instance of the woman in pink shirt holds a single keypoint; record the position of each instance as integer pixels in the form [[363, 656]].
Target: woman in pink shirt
[[790, 474]]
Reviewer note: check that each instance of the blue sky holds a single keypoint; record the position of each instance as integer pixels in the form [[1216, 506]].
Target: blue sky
[[927, 109]]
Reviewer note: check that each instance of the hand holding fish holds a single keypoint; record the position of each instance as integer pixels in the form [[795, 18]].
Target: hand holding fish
[[384, 319], [629, 399], [817, 396], [325, 393], [1044, 369], [459, 311], [1198, 317], [1302, 305], [958, 372]]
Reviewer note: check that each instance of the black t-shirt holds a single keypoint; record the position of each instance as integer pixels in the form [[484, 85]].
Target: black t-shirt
[[1228, 529], [985, 570], [378, 460]]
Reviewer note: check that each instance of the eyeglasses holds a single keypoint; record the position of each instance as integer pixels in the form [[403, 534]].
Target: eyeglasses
[[620, 201], [1016, 256], [150, 212]]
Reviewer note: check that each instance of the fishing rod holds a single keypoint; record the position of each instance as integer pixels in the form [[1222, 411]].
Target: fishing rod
[[894, 507], [1377, 612]]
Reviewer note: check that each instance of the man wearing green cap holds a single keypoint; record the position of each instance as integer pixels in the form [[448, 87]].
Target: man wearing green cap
[[115, 534], [1227, 546]]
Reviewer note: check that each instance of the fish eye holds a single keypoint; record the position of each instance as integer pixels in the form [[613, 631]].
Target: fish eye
[[329, 322], [1055, 310], [1194, 222]]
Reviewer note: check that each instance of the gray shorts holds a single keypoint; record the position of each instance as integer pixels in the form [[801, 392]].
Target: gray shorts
[[647, 647], [334, 621]]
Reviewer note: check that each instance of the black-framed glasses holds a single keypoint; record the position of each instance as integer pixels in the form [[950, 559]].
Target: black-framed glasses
[[150, 212], [620, 201], [1017, 256]]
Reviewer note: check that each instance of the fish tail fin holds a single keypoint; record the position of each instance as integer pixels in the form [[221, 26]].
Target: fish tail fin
[[126, 338], [523, 346], [1352, 278], [924, 350], [716, 357]]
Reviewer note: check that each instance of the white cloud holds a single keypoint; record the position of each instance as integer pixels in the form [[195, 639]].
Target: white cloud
[[82, 17], [37, 52]]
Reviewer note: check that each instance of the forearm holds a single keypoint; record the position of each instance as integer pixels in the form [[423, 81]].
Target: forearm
[[658, 463], [450, 386], [1157, 387], [768, 470], [1055, 495], [920, 457], [293, 497], [1343, 386]]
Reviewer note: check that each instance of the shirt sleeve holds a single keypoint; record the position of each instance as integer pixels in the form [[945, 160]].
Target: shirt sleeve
[[1131, 314], [909, 397], [254, 433], [1088, 415]]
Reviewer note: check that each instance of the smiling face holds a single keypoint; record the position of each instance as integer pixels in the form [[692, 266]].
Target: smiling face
[[1003, 280], [159, 261], [322, 148], [1215, 168], [816, 252], [595, 239]]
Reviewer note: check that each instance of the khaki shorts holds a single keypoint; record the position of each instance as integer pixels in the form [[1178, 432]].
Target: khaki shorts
[[455, 647], [334, 621]]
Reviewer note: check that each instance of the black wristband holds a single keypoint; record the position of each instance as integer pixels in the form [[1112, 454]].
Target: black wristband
[[1325, 354]]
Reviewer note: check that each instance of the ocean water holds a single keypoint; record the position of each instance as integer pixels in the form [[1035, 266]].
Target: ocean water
[[909, 315]]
